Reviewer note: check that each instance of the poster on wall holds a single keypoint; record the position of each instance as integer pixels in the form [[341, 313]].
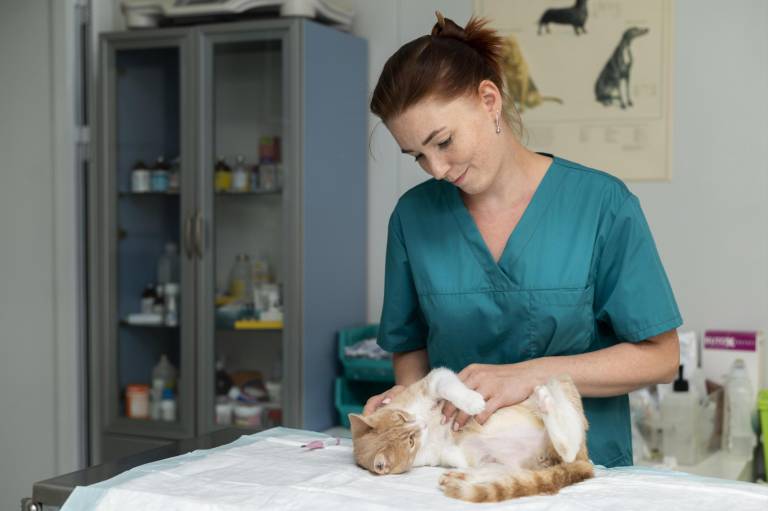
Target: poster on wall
[[591, 79]]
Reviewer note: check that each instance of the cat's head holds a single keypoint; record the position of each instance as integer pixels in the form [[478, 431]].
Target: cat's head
[[386, 441]]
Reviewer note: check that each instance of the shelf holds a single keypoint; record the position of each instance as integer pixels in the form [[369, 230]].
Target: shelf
[[123, 322], [148, 194], [276, 191], [249, 324]]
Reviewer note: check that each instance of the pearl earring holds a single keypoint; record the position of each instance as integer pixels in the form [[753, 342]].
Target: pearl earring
[[498, 126]]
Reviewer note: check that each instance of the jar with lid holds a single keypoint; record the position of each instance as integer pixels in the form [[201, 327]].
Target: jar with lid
[[240, 176], [140, 178], [159, 181]]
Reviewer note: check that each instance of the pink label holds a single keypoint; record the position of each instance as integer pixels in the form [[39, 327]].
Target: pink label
[[727, 340]]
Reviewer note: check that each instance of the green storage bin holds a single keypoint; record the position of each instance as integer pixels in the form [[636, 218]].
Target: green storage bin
[[762, 406], [351, 395], [362, 368]]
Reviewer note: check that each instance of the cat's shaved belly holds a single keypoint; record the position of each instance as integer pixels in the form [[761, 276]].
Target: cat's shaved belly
[[512, 436]]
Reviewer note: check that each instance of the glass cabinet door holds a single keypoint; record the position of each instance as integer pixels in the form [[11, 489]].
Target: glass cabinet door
[[148, 176], [243, 192]]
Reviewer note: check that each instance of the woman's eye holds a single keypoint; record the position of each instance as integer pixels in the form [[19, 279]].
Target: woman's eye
[[445, 143], [416, 158]]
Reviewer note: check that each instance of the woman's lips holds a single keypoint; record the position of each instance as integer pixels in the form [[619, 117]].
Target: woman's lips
[[460, 178]]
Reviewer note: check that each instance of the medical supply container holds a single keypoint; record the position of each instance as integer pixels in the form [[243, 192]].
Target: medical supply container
[[738, 436], [137, 401], [680, 418], [168, 406], [351, 396], [363, 368]]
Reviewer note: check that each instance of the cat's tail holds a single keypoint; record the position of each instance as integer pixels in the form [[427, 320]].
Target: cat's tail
[[511, 485]]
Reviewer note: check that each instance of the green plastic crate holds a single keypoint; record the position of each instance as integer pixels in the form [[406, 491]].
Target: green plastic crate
[[362, 368], [351, 395], [762, 406]]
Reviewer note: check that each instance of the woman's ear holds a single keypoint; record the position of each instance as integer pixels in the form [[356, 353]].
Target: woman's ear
[[490, 96]]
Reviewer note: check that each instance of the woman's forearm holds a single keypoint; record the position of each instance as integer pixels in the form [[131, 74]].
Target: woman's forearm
[[410, 366], [615, 370]]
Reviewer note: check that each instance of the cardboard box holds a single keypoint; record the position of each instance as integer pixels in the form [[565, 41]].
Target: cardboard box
[[721, 347]]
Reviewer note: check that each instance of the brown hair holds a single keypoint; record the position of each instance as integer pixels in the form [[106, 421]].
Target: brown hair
[[448, 63]]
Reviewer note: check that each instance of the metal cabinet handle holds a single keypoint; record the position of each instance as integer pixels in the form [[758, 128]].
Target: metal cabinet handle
[[189, 237], [199, 231]]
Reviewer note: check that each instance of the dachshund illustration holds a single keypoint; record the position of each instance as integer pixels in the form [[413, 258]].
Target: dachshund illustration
[[575, 16], [517, 76], [608, 84]]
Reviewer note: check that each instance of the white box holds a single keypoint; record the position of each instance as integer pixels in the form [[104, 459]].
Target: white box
[[721, 347]]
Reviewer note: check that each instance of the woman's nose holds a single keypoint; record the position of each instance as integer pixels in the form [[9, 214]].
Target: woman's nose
[[439, 168]]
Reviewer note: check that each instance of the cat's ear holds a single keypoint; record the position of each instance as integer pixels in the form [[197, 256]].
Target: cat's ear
[[403, 416], [359, 424]]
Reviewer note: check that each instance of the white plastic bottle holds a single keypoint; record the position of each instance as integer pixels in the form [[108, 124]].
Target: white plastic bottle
[[240, 176], [739, 438], [680, 416]]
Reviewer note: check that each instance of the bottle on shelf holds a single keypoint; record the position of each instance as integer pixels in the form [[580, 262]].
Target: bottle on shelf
[[255, 178], [159, 307], [148, 299], [140, 178], [171, 304], [164, 376], [168, 405], [240, 176], [241, 280], [159, 179], [223, 380], [174, 175], [739, 438], [168, 265], [222, 176]]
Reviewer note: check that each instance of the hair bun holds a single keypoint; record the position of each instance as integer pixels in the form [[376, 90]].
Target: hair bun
[[447, 28]]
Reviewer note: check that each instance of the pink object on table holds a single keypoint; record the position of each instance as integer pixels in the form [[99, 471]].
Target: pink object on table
[[321, 444]]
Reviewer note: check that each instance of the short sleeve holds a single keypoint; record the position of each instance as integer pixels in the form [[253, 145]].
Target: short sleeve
[[402, 326], [632, 292]]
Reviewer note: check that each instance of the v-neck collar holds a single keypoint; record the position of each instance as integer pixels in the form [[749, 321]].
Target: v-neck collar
[[500, 273]]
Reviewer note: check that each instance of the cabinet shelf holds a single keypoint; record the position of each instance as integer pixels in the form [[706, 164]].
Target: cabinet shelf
[[148, 194], [126, 323], [276, 191]]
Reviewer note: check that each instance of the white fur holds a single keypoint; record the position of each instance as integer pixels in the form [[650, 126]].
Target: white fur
[[561, 419]]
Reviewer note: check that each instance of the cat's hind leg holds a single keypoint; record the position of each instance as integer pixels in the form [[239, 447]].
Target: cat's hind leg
[[562, 419]]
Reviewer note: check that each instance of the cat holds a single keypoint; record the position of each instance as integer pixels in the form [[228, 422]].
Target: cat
[[517, 77], [535, 447]]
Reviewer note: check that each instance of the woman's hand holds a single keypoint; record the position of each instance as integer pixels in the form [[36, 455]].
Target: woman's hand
[[500, 386], [381, 399]]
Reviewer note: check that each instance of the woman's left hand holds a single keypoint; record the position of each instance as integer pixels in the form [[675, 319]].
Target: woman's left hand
[[500, 386]]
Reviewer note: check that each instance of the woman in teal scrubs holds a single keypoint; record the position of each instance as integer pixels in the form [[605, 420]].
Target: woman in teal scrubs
[[509, 266]]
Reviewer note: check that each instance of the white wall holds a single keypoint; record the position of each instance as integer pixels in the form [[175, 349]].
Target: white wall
[[28, 451], [711, 221]]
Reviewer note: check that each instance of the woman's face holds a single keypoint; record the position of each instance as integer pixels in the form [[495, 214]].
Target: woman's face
[[455, 140]]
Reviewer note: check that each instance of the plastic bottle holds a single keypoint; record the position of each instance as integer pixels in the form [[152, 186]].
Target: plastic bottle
[[680, 416], [223, 381], [171, 304], [165, 372], [159, 179], [148, 299], [222, 176], [168, 265], [240, 176], [738, 436], [140, 178], [240, 281], [168, 406]]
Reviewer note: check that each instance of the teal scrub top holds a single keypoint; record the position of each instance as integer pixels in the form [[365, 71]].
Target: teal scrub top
[[580, 272]]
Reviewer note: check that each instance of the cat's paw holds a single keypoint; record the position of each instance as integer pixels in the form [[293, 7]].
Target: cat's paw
[[471, 403], [455, 485]]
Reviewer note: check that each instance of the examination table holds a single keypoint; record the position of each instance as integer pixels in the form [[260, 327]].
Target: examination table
[[271, 470]]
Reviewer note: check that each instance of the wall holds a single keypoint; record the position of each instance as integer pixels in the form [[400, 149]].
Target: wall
[[28, 450], [709, 221]]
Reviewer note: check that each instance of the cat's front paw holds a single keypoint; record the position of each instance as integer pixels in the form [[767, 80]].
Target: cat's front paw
[[472, 403]]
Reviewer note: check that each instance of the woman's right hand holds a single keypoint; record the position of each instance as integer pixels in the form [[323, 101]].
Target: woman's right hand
[[382, 399]]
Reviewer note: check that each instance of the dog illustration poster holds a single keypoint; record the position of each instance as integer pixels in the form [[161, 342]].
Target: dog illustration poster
[[591, 79]]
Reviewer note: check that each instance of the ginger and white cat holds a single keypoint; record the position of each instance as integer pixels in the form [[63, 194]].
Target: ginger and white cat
[[535, 447]]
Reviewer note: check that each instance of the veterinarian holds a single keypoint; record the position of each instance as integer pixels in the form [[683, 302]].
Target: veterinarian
[[511, 266]]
